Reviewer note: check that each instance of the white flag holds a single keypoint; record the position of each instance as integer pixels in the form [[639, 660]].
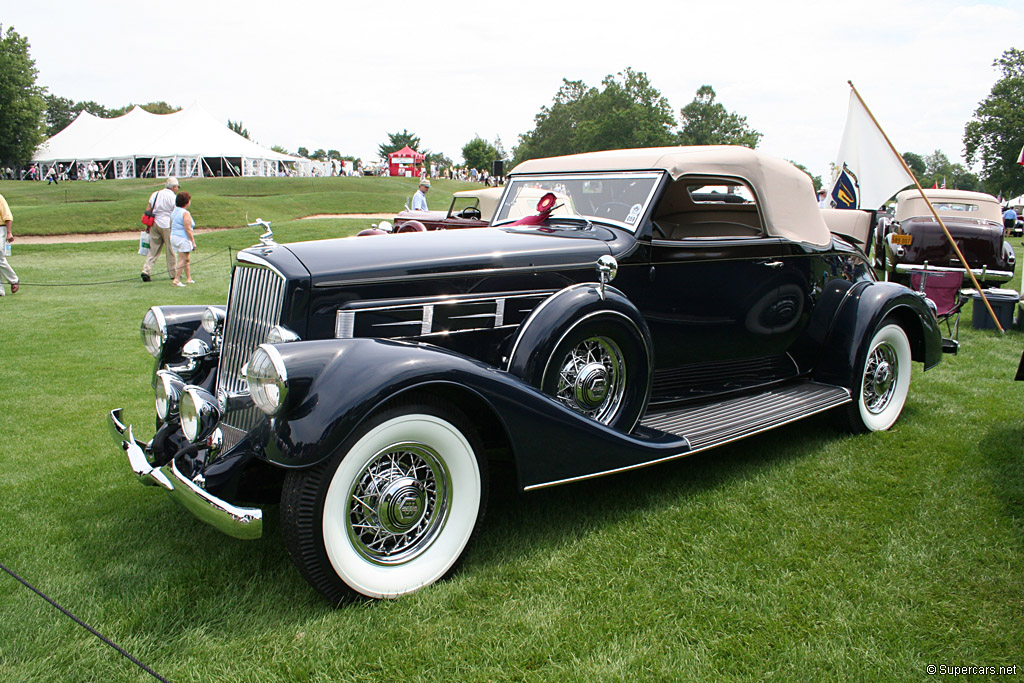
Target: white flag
[[869, 171]]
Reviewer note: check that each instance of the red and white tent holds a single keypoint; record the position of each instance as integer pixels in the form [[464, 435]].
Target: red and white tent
[[405, 162]]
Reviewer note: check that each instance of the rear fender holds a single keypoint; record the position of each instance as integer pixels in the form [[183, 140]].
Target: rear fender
[[863, 310]]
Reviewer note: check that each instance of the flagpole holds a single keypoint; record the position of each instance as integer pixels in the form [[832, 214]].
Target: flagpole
[[920, 189]]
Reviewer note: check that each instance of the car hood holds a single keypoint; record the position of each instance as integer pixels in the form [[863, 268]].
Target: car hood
[[426, 254]]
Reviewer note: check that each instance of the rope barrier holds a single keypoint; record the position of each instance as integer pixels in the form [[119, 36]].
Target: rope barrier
[[86, 626], [114, 282]]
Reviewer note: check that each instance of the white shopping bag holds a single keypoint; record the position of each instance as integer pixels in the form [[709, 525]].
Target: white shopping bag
[[143, 243]]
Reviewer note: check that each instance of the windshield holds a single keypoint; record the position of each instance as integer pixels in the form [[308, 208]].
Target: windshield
[[617, 198]]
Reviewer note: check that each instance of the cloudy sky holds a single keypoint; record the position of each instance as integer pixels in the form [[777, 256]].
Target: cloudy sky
[[342, 74]]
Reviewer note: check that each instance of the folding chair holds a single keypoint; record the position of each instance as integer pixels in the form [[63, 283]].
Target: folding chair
[[943, 288]]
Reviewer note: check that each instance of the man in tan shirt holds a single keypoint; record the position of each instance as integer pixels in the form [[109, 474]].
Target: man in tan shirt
[[6, 272]]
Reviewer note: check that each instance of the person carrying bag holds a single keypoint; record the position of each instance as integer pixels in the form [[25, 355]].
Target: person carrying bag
[[161, 204]]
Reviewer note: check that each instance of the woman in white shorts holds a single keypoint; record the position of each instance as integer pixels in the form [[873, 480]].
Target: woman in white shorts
[[183, 239]]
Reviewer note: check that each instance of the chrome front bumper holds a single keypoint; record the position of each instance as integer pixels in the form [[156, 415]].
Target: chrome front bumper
[[244, 523], [983, 274]]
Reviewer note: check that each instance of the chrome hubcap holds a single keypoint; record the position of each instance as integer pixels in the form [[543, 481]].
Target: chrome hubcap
[[592, 379], [880, 373], [398, 504], [591, 386]]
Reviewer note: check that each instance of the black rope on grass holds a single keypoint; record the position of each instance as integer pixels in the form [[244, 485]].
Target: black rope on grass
[[114, 282], [86, 626]]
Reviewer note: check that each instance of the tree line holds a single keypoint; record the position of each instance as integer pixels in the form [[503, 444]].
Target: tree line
[[625, 111]]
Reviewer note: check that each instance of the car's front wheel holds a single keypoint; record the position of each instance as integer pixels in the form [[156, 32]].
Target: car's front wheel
[[393, 510], [884, 372]]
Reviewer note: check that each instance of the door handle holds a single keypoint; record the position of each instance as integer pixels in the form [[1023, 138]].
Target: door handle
[[772, 264]]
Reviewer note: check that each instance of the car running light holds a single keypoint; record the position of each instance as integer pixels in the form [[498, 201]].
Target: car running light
[[199, 413], [279, 334], [213, 321], [154, 331], [267, 379], [168, 394]]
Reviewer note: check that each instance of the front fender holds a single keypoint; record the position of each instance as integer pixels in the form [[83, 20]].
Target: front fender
[[339, 382], [549, 321], [349, 379], [860, 314]]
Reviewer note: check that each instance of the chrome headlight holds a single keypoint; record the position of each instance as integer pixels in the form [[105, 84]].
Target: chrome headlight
[[279, 334], [268, 379], [154, 331], [168, 393], [196, 350], [213, 321], [199, 413]]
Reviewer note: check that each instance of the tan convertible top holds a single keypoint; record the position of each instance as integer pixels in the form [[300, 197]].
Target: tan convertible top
[[784, 192], [958, 203]]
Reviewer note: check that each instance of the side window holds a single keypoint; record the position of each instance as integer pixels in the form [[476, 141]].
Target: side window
[[695, 208]]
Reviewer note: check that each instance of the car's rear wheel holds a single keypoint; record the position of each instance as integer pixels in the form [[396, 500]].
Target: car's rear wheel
[[884, 372], [393, 510]]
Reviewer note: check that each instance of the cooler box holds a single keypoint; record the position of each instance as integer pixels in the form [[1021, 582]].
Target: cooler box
[[1003, 301]]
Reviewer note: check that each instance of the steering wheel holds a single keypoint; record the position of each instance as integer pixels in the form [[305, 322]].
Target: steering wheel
[[470, 212]]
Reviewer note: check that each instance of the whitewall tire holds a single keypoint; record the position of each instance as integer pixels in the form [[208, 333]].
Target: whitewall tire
[[392, 512], [884, 381]]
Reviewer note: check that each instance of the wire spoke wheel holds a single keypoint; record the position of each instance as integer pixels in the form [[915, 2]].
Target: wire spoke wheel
[[880, 372], [398, 503], [592, 378]]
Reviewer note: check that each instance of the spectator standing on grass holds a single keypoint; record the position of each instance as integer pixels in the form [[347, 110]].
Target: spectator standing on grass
[[419, 200], [183, 238], [6, 272], [51, 176], [161, 203]]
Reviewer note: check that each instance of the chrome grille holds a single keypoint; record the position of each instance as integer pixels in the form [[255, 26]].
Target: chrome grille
[[254, 306]]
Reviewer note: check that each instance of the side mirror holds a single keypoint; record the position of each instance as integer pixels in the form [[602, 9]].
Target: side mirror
[[607, 269]]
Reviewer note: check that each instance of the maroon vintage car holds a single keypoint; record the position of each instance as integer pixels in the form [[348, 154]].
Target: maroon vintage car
[[469, 209], [975, 221]]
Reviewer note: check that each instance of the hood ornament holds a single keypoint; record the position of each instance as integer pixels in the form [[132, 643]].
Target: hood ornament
[[267, 238]]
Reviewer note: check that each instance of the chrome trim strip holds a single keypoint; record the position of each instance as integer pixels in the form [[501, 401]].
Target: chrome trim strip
[[983, 273], [239, 522], [256, 260], [345, 325], [345, 320], [444, 300], [458, 273], [418, 323], [474, 316], [683, 454], [428, 319]]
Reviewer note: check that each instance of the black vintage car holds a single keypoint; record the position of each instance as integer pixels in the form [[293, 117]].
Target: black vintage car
[[654, 303]]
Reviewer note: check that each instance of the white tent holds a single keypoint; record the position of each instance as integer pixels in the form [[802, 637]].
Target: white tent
[[188, 143]]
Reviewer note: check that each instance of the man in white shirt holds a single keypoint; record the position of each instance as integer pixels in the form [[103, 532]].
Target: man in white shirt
[[161, 203], [419, 200], [823, 201]]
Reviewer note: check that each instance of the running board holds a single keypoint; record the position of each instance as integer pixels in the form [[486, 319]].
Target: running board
[[709, 425]]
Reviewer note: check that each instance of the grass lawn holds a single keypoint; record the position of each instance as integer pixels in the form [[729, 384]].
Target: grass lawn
[[802, 554]]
